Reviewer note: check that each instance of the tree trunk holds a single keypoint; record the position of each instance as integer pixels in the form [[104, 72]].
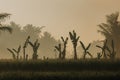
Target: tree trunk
[[75, 53], [24, 54]]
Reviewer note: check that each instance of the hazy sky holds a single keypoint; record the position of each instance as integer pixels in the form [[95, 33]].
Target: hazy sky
[[62, 16]]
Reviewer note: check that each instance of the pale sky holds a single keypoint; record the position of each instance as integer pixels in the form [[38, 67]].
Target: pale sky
[[62, 16]]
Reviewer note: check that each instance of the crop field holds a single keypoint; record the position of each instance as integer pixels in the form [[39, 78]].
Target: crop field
[[60, 69]]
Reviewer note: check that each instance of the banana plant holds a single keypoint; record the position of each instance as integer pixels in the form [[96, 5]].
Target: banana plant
[[103, 48], [35, 47], [25, 46], [58, 48], [64, 48], [13, 51], [17, 51], [99, 55], [74, 39], [112, 52], [13, 54], [86, 50]]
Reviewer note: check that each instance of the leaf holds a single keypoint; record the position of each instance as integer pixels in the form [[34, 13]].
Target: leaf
[[66, 39], [31, 44], [14, 50], [19, 48], [105, 43], [10, 50], [74, 33], [71, 36], [88, 46], [89, 54], [108, 50], [62, 39], [82, 45], [77, 38], [99, 47]]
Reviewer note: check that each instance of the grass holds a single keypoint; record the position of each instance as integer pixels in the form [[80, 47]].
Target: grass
[[89, 69]]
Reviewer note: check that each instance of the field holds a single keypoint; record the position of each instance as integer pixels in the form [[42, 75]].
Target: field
[[89, 69]]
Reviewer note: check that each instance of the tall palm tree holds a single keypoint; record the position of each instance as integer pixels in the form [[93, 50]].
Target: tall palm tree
[[3, 17], [111, 30]]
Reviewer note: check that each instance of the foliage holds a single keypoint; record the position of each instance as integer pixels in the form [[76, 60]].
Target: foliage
[[74, 38], [35, 47], [111, 30], [85, 49], [103, 48], [15, 53]]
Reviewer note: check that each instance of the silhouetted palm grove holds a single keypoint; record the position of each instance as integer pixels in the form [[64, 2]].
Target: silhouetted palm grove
[[32, 43], [36, 55]]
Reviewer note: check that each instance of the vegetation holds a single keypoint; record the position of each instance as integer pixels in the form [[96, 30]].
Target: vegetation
[[111, 30], [103, 48], [74, 40], [86, 50], [3, 17], [104, 66], [35, 47], [13, 51], [25, 46]]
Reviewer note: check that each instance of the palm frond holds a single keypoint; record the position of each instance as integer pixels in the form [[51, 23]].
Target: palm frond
[[3, 16], [5, 28]]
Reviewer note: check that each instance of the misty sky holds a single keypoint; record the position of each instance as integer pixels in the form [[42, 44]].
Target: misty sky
[[62, 16]]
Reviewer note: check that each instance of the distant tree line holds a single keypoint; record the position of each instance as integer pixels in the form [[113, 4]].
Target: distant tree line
[[29, 39]]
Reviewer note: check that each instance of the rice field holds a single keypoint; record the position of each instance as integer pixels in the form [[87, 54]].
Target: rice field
[[89, 69]]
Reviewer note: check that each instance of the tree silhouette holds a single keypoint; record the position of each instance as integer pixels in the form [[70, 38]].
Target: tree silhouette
[[64, 47], [74, 40], [103, 48], [35, 47], [25, 46], [99, 55], [13, 54], [13, 51], [86, 49], [58, 48], [47, 42], [112, 52], [3, 17], [17, 51], [111, 30]]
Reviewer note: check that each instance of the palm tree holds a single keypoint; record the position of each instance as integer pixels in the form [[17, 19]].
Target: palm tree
[[111, 30], [3, 17]]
